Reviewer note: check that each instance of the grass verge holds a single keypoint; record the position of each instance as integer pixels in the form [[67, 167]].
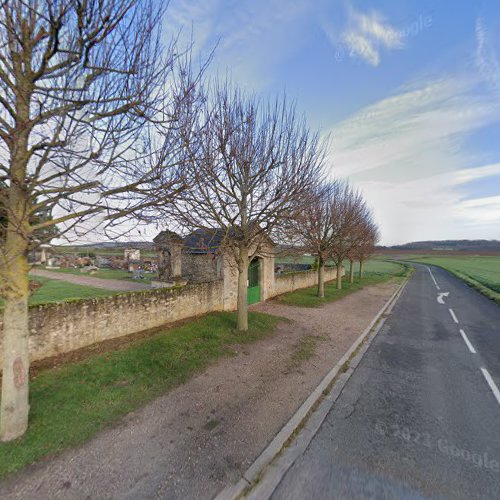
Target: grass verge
[[473, 283], [479, 272], [60, 291], [305, 349], [307, 297], [71, 403], [480, 287]]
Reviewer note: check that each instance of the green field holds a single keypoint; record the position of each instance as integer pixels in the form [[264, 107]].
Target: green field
[[115, 274], [376, 266], [376, 271], [71, 403], [481, 272]]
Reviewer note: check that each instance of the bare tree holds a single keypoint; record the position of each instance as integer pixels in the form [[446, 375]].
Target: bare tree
[[251, 163], [369, 236], [358, 234], [88, 104], [313, 228], [347, 212]]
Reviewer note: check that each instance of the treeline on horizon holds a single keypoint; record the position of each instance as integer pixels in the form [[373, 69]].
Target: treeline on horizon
[[455, 245]]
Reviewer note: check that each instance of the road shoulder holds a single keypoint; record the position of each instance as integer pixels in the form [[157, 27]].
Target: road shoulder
[[262, 477], [201, 436]]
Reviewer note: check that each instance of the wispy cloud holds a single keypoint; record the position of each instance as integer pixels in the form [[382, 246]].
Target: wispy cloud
[[421, 126], [486, 57], [434, 207], [252, 37], [192, 21], [471, 174], [366, 36], [407, 153], [374, 26], [362, 47]]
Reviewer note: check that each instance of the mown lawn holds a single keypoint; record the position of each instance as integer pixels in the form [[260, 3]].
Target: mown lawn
[[376, 271], [58, 291], [71, 403], [116, 274], [482, 272]]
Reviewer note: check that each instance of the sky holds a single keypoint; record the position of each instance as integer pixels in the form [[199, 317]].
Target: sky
[[408, 92]]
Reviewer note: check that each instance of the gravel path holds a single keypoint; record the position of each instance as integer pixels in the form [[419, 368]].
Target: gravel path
[[202, 435], [106, 284]]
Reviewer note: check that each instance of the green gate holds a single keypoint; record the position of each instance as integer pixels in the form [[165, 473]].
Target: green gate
[[254, 282]]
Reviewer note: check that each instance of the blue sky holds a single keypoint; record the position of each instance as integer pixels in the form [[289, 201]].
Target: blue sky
[[408, 90]]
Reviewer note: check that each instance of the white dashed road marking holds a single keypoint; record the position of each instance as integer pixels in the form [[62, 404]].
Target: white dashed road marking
[[486, 374], [433, 279], [467, 341], [492, 384], [455, 319]]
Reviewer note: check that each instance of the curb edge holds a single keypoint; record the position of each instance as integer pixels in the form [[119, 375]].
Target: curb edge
[[327, 391]]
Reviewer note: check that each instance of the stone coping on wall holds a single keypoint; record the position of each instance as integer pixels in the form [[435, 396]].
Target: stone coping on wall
[[61, 327]]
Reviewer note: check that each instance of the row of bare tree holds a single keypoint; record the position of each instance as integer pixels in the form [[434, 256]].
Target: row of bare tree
[[335, 225], [101, 122]]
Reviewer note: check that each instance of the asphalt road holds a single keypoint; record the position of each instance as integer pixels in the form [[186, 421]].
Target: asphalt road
[[418, 418]]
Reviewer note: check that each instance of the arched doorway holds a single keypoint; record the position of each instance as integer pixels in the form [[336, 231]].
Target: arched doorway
[[254, 288]]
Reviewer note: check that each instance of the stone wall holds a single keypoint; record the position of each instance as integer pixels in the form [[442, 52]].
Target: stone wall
[[201, 267], [66, 326], [293, 281]]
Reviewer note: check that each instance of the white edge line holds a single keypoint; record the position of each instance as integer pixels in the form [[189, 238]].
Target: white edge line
[[433, 279], [492, 384], [467, 341], [453, 315]]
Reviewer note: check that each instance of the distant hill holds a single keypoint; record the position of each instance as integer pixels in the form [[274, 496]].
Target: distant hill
[[444, 246], [469, 246]]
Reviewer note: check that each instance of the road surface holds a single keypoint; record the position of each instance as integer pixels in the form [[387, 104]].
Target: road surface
[[420, 416], [106, 284]]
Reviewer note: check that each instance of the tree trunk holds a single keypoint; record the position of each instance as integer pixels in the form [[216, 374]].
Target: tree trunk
[[339, 276], [361, 268], [321, 279], [242, 324], [351, 271], [14, 406], [15, 383]]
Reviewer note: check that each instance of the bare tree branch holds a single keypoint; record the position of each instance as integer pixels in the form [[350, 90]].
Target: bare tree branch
[[90, 110], [249, 167]]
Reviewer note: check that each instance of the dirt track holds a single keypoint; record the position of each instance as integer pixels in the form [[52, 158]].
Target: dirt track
[[196, 439], [106, 284]]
